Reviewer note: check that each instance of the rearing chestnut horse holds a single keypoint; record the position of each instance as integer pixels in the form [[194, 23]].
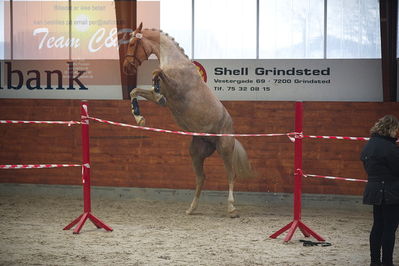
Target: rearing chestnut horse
[[192, 103]]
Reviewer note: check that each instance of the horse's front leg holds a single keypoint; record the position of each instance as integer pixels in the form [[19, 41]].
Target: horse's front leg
[[150, 95]]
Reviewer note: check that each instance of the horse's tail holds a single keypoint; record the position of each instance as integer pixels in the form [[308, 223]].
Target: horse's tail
[[241, 165]]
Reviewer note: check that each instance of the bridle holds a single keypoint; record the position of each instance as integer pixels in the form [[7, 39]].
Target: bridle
[[139, 37]]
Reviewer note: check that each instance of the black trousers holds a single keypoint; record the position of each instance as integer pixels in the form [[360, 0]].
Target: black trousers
[[382, 235]]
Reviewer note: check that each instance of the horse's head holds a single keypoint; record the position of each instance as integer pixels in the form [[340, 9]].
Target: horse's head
[[138, 50]]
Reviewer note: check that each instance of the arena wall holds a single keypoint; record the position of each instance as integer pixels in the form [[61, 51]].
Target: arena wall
[[125, 157]]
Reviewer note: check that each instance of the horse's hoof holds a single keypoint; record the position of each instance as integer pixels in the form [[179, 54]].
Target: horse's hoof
[[189, 212], [139, 120], [234, 214]]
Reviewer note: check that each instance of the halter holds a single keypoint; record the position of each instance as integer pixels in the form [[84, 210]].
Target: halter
[[139, 37]]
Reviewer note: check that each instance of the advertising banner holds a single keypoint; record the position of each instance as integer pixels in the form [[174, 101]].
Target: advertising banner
[[287, 80], [60, 79], [69, 50], [292, 80], [61, 50]]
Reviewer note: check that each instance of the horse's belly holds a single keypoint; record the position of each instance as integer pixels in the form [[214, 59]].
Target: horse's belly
[[199, 121], [199, 111]]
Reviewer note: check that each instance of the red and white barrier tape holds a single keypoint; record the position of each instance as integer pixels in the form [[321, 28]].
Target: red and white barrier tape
[[186, 133], [336, 137], [69, 123], [292, 136], [30, 166], [336, 178]]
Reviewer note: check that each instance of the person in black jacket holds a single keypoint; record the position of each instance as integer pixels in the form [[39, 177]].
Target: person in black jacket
[[380, 157]]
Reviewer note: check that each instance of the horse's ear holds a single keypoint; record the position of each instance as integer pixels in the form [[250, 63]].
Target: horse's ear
[[140, 27]]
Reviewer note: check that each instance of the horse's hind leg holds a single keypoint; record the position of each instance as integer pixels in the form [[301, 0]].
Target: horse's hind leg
[[200, 149], [225, 148]]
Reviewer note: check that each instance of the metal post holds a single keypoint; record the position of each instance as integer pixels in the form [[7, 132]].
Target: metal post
[[297, 223], [298, 160], [86, 157], [80, 221]]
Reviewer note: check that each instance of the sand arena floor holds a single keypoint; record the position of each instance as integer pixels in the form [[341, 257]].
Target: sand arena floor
[[159, 233]]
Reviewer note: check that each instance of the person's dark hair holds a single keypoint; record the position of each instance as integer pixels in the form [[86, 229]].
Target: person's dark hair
[[386, 126]]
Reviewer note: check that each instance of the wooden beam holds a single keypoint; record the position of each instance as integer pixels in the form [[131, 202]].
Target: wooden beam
[[389, 26], [126, 14]]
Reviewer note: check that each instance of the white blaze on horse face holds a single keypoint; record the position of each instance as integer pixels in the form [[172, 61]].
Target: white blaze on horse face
[[137, 35]]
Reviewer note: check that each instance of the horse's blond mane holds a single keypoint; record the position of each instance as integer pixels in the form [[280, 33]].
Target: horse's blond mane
[[170, 38]]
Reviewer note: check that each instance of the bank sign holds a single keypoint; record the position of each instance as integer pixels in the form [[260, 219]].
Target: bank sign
[[60, 79], [291, 80]]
